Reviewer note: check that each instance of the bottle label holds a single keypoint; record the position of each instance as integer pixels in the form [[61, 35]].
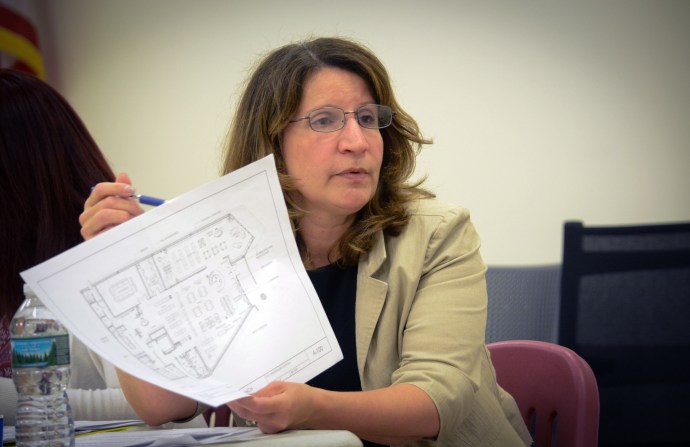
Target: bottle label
[[40, 352]]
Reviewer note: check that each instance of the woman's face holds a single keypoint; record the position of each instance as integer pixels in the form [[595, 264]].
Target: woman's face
[[336, 173]]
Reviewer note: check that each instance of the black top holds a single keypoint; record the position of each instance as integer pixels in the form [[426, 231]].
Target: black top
[[337, 290]]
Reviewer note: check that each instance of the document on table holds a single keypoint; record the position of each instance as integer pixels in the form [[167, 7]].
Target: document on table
[[118, 434], [178, 437], [205, 295], [82, 428]]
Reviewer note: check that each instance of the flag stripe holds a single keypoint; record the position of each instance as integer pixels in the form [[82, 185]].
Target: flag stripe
[[21, 48], [18, 37], [18, 24]]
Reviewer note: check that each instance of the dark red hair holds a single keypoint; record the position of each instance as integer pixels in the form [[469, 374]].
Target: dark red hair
[[48, 162]]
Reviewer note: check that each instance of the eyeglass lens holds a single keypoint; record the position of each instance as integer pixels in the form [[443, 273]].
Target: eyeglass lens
[[370, 116]]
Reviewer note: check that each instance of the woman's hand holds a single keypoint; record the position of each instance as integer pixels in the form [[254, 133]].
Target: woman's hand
[[398, 414], [278, 406], [109, 204]]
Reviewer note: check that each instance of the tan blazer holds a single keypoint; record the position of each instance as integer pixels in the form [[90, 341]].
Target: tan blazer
[[420, 319]]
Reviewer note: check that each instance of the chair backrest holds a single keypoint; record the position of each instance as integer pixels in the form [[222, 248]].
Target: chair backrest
[[625, 308], [218, 416], [523, 302], [554, 388]]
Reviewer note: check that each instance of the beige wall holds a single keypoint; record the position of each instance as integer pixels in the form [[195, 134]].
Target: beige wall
[[541, 111]]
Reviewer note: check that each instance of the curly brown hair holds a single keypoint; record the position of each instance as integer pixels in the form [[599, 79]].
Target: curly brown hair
[[272, 96]]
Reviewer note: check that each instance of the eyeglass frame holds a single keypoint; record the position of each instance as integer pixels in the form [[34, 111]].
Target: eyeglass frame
[[342, 122]]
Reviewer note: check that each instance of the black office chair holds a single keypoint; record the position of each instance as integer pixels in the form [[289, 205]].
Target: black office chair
[[625, 308]]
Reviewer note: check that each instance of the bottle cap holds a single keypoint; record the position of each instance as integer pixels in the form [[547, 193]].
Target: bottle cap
[[28, 291]]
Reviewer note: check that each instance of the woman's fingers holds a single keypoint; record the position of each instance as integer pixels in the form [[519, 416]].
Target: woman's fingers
[[97, 219], [276, 407], [108, 205]]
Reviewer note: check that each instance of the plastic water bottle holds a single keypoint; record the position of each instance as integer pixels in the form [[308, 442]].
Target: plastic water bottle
[[40, 370]]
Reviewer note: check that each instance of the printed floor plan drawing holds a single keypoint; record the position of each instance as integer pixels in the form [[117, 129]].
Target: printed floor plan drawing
[[194, 304], [205, 295]]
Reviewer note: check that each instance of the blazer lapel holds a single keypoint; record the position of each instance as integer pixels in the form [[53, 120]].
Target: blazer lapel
[[371, 294]]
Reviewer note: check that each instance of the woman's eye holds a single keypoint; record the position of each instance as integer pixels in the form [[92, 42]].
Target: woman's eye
[[321, 121], [367, 118], [324, 119]]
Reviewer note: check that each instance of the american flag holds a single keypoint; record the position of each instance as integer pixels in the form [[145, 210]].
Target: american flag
[[19, 47]]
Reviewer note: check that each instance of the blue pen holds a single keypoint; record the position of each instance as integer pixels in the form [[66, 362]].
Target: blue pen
[[146, 200]]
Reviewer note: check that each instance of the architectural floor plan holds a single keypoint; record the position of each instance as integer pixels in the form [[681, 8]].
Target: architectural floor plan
[[194, 287], [205, 295]]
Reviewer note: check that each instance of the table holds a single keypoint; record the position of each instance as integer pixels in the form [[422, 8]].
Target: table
[[292, 438], [303, 438]]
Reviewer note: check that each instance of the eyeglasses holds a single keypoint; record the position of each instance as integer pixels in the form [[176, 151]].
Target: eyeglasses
[[330, 119]]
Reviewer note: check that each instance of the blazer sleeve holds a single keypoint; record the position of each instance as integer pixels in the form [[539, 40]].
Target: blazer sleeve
[[443, 324]]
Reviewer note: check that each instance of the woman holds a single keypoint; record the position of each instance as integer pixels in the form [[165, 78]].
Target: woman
[[48, 163], [399, 275]]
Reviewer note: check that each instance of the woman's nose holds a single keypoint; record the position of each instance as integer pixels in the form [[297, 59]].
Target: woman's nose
[[352, 136]]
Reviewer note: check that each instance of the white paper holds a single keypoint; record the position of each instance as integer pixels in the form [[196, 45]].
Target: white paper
[[126, 434], [82, 428], [178, 437], [205, 295]]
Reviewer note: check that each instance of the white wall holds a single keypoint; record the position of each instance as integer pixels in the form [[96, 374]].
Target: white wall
[[541, 111]]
